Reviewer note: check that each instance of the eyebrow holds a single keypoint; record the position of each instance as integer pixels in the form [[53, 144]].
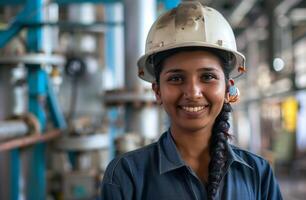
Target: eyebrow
[[207, 69], [173, 71]]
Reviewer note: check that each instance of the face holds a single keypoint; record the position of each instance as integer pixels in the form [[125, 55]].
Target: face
[[192, 90]]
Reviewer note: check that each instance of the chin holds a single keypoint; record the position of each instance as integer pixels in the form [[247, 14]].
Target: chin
[[195, 127]]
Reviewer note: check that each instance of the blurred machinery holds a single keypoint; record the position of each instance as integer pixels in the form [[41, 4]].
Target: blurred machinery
[[78, 161], [43, 79], [268, 116]]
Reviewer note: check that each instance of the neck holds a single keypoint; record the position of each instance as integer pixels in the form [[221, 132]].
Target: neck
[[192, 145], [194, 149]]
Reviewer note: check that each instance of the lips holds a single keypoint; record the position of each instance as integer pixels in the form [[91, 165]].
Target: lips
[[193, 109]]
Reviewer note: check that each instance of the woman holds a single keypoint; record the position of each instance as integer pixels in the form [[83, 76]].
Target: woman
[[190, 56]]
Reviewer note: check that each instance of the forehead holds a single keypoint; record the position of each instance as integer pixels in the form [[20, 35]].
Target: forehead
[[193, 59]]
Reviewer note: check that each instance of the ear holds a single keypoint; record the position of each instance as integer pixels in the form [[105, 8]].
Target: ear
[[156, 89]]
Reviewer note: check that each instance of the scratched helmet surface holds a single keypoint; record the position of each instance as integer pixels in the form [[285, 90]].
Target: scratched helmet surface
[[190, 24]]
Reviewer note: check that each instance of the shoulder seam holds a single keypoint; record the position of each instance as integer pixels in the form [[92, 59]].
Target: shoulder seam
[[249, 152], [113, 171], [129, 167]]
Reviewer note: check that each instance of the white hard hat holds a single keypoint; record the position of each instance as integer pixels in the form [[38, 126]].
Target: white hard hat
[[190, 24]]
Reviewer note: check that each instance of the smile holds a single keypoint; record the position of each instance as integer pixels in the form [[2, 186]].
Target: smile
[[193, 109]]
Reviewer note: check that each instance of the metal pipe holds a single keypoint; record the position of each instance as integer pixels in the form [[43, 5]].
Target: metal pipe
[[13, 128], [283, 7], [26, 141], [6, 99], [139, 15], [241, 11], [114, 49], [270, 11]]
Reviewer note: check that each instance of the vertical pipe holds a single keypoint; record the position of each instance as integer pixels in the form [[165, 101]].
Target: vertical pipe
[[254, 117], [114, 61], [15, 171], [5, 186], [36, 183], [139, 16], [37, 79], [253, 92], [6, 173], [6, 101], [270, 7]]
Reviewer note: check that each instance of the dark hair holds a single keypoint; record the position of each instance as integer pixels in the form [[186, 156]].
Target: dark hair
[[218, 152], [220, 135]]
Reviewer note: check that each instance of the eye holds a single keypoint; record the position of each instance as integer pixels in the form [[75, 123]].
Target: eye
[[175, 79], [208, 77]]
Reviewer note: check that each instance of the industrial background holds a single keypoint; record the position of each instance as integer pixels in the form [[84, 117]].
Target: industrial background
[[70, 99]]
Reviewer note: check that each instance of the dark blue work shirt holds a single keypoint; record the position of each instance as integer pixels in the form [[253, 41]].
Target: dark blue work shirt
[[157, 172]]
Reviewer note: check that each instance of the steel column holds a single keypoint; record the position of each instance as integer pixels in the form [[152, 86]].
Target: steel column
[[14, 175], [139, 16], [114, 61], [37, 82], [270, 11], [36, 182], [5, 158], [253, 53]]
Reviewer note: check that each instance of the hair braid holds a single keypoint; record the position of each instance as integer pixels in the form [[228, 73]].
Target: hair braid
[[218, 150]]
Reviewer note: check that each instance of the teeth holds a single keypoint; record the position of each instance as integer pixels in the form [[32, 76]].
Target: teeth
[[193, 109]]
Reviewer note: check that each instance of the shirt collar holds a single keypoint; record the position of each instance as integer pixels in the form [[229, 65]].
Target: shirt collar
[[234, 157], [170, 159]]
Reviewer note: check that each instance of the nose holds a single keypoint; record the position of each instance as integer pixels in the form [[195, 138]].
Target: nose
[[193, 90]]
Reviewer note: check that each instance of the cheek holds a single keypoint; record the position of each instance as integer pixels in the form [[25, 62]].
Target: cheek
[[218, 91], [168, 95]]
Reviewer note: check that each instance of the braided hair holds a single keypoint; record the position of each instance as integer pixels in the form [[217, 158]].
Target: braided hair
[[220, 135], [218, 151]]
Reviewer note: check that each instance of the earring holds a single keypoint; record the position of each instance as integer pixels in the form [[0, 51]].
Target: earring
[[233, 92]]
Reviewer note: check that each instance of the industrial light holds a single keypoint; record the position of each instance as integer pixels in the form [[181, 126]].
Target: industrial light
[[278, 64]]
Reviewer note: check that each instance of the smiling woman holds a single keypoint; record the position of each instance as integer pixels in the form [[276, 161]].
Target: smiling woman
[[190, 57]]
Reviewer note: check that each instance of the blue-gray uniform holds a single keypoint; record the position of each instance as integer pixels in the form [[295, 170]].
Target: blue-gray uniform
[[158, 172]]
